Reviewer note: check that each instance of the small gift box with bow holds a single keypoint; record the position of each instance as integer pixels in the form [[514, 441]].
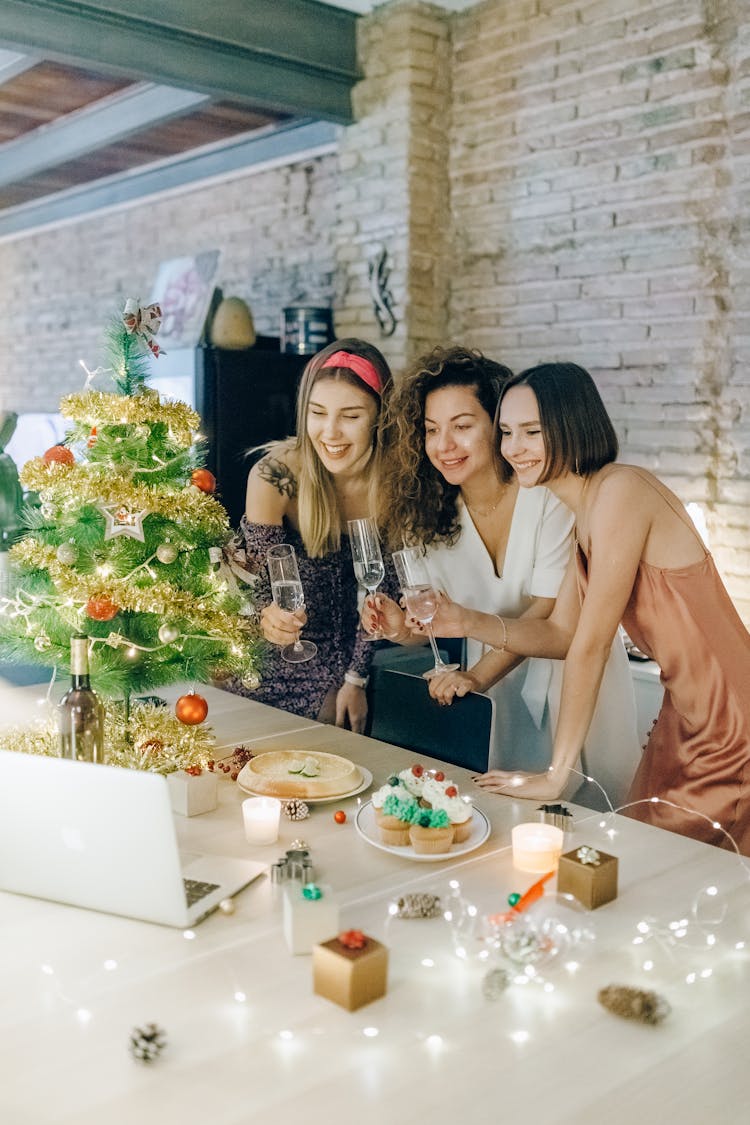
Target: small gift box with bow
[[351, 969], [588, 875], [311, 913]]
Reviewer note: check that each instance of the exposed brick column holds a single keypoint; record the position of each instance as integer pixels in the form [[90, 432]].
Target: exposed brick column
[[393, 183]]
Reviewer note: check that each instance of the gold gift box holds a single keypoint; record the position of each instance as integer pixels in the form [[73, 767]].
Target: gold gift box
[[350, 977], [593, 884]]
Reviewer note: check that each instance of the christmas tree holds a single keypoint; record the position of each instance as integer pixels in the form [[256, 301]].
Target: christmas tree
[[127, 543]]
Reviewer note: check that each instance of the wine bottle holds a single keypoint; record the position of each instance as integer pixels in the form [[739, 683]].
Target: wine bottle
[[81, 714]]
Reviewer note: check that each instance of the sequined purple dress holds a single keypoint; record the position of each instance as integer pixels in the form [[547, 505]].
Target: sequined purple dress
[[332, 623]]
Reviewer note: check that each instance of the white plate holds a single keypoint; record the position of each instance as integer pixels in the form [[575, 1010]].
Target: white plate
[[366, 825], [365, 783]]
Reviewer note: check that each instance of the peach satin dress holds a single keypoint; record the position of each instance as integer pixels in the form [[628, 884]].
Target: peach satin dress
[[698, 753]]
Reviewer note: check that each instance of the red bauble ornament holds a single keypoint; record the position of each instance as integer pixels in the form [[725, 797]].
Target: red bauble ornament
[[451, 791], [340, 816], [439, 775], [204, 480], [191, 709], [417, 770], [59, 454], [102, 608]]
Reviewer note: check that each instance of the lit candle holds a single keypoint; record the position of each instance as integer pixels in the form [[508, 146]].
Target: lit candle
[[261, 818], [536, 847]]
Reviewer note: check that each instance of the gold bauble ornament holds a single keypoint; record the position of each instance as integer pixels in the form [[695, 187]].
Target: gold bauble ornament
[[166, 553], [168, 634], [226, 906], [67, 554]]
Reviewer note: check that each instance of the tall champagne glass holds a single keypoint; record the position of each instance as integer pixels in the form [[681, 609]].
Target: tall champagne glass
[[287, 592], [421, 597], [368, 561]]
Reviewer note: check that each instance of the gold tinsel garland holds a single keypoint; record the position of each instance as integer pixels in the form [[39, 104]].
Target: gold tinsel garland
[[79, 484], [96, 408], [159, 597], [152, 739]]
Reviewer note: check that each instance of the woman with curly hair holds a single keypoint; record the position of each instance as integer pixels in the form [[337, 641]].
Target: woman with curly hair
[[303, 491], [491, 546]]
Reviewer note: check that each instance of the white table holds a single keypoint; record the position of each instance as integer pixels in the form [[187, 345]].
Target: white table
[[249, 1042]]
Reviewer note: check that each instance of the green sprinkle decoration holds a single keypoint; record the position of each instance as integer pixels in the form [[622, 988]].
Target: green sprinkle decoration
[[513, 899], [312, 892]]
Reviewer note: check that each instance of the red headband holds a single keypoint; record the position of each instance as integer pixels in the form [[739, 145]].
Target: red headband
[[361, 367]]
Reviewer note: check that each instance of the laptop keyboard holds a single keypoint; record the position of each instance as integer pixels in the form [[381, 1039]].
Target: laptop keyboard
[[195, 890]]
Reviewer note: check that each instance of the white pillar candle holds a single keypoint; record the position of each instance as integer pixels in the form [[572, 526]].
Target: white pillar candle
[[261, 819], [536, 847]]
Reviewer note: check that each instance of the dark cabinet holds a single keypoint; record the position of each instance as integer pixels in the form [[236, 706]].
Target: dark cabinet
[[244, 398]]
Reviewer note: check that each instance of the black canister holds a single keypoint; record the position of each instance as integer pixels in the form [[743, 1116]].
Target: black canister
[[305, 329]]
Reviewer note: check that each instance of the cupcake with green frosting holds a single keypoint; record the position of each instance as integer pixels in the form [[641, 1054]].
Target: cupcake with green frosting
[[396, 815], [431, 832]]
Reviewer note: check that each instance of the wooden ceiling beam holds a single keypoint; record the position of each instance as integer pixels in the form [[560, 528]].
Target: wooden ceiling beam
[[264, 148], [289, 56], [104, 122]]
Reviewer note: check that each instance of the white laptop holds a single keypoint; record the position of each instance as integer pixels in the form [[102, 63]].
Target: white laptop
[[103, 838]]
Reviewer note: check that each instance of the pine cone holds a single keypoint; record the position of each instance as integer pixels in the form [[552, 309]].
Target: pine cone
[[418, 905], [634, 1003], [296, 809], [147, 1043]]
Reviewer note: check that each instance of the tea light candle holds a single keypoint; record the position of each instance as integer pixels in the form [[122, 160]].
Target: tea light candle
[[536, 847], [261, 819]]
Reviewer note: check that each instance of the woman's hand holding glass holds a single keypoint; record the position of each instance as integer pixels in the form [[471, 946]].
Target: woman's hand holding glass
[[379, 612], [288, 596], [421, 597]]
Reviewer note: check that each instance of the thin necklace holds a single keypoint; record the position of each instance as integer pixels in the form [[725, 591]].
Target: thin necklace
[[481, 512]]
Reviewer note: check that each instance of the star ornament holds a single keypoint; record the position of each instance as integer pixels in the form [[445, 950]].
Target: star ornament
[[120, 520]]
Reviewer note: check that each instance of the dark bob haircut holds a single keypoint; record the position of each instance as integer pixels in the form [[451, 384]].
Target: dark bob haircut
[[578, 434]]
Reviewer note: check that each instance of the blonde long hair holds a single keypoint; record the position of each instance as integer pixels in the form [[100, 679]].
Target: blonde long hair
[[320, 521]]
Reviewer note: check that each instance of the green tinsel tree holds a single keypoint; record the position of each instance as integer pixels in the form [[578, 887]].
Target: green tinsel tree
[[126, 544]]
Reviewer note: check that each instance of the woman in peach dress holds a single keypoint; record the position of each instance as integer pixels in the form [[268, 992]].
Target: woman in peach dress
[[639, 561]]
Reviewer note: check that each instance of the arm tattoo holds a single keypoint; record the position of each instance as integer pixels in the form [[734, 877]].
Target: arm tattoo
[[279, 475]]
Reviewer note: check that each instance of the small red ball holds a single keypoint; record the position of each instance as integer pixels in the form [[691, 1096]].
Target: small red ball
[[439, 776], [340, 816], [204, 480], [101, 608], [59, 454], [451, 791], [417, 770], [191, 709]]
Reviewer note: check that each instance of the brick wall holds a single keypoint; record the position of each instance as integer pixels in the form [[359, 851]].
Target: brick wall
[[599, 177], [274, 227]]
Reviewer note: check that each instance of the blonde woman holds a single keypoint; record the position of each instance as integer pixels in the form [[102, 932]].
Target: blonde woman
[[303, 491]]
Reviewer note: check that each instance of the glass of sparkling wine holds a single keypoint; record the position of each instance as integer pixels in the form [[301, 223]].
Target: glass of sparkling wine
[[421, 597], [368, 561], [287, 592]]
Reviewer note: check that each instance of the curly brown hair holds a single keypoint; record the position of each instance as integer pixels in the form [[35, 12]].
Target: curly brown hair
[[416, 504]]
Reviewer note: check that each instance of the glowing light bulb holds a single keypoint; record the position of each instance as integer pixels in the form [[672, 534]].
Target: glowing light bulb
[[519, 1037], [240, 997], [428, 963], [110, 965], [189, 935], [286, 1034], [370, 1032]]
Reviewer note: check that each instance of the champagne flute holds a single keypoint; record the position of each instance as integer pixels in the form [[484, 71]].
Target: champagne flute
[[368, 561], [287, 592], [421, 597]]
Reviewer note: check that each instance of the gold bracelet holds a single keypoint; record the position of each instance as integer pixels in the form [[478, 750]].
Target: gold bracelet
[[505, 634]]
